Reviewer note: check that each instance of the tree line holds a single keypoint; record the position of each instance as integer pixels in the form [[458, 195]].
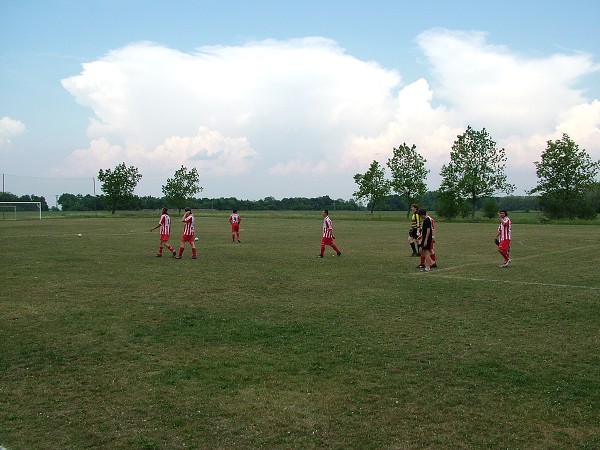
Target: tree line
[[566, 188], [471, 181], [392, 202]]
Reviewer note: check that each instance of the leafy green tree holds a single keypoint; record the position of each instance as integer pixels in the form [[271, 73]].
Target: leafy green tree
[[118, 184], [476, 168], [408, 173], [372, 185], [490, 207], [565, 175], [182, 187]]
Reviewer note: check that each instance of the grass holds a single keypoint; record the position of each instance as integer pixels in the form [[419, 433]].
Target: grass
[[261, 344]]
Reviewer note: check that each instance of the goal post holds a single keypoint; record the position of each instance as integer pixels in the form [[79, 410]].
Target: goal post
[[21, 210]]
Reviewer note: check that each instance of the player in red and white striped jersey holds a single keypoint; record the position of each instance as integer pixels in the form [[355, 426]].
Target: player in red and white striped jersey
[[189, 223], [165, 232], [328, 236], [504, 235], [235, 219]]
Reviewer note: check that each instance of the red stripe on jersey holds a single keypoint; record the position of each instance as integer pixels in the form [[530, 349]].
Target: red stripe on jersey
[[165, 224], [188, 227], [504, 229], [327, 228]]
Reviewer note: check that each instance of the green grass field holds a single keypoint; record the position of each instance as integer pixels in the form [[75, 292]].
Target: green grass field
[[263, 345]]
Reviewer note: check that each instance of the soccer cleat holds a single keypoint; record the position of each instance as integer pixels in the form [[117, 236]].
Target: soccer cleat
[[193, 257], [506, 263], [158, 255], [434, 265], [415, 254], [339, 253], [319, 256], [174, 254], [177, 257], [421, 266], [239, 241]]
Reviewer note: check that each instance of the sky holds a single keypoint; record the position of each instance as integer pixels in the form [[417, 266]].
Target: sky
[[286, 98]]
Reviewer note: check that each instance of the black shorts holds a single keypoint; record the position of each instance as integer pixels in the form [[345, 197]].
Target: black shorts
[[413, 233]]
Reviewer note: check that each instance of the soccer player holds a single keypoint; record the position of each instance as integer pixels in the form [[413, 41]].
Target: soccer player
[[188, 233], [426, 238], [415, 228], [504, 237], [165, 231], [235, 219], [328, 236], [433, 257]]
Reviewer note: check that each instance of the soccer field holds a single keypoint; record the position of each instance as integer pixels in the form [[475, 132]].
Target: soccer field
[[263, 345]]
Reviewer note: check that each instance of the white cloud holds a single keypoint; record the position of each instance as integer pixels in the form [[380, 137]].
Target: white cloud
[[272, 111], [9, 128]]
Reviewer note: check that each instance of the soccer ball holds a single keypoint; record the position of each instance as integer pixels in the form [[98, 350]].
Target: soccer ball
[[79, 235], [196, 239]]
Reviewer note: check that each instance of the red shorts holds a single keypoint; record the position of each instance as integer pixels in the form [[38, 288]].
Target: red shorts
[[235, 227], [187, 238], [164, 237], [504, 245], [327, 241]]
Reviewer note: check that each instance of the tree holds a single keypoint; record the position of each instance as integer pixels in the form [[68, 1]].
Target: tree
[[408, 173], [476, 168], [183, 186], [118, 184], [565, 174], [372, 185]]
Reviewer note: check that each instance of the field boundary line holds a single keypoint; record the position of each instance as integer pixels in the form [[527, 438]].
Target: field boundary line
[[524, 258], [525, 283]]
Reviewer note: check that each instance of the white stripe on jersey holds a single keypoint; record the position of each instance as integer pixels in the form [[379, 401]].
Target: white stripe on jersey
[[165, 224]]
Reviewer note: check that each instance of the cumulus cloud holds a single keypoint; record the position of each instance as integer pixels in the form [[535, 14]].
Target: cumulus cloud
[[9, 128], [275, 110]]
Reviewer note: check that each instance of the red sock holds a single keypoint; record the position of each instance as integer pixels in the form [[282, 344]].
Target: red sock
[[193, 251], [422, 260], [181, 249], [322, 249], [171, 249], [160, 250]]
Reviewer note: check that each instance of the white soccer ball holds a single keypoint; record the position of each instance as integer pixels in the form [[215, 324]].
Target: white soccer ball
[[79, 235], [196, 239]]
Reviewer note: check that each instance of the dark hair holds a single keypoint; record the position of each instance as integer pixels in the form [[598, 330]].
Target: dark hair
[[326, 211], [504, 211], [414, 205], [164, 210], [422, 212], [188, 209], [235, 211]]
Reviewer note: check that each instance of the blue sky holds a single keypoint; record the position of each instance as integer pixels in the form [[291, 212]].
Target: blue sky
[[285, 98]]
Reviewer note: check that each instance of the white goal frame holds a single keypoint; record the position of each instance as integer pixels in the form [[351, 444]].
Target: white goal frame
[[15, 204]]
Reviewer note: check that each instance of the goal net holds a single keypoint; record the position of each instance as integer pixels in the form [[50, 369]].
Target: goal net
[[8, 212], [20, 210]]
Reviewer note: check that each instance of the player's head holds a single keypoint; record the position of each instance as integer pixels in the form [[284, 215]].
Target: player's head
[[164, 210], [414, 207], [325, 212], [422, 212], [235, 211], [503, 213], [188, 210]]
